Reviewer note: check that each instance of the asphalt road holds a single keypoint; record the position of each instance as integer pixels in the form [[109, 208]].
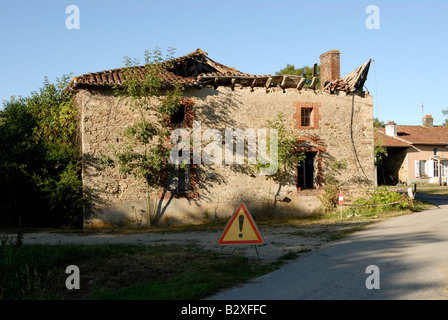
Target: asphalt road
[[410, 253]]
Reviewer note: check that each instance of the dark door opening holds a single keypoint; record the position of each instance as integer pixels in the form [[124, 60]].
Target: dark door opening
[[178, 116], [305, 172]]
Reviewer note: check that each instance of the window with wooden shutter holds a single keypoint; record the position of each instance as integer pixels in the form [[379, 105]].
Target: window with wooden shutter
[[179, 178], [417, 168], [431, 168]]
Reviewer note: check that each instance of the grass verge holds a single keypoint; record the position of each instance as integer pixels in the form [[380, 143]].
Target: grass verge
[[120, 272], [168, 272]]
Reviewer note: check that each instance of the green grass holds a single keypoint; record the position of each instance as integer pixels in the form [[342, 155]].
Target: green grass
[[443, 191], [120, 272], [168, 272]]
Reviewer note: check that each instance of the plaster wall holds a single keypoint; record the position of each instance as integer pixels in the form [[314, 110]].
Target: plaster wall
[[343, 130]]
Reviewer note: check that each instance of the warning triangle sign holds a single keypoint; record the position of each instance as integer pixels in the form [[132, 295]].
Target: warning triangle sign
[[241, 229]]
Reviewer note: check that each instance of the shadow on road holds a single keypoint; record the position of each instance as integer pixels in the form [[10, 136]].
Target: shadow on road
[[435, 199]]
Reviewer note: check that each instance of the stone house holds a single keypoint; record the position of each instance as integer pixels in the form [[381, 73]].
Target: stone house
[[416, 154], [334, 123]]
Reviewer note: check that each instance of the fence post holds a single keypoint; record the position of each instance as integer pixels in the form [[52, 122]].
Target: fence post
[[341, 201]]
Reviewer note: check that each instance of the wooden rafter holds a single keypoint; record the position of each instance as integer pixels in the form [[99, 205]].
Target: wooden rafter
[[215, 83], [301, 84]]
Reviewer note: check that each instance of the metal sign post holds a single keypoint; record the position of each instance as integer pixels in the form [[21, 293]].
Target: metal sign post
[[241, 230], [341, 202]]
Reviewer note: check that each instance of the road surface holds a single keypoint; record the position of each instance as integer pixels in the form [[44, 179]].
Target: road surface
[[410, 253]]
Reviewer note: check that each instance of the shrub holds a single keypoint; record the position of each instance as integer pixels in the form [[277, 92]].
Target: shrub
[[380, 201], [40, 170]]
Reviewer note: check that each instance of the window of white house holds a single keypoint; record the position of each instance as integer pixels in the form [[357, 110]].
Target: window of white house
[[420, 168], [436, 168]]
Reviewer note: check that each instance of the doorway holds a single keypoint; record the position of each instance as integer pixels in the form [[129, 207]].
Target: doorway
[[306, 172]]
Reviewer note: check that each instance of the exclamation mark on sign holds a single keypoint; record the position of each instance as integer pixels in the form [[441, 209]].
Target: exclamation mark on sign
[[241, 218]]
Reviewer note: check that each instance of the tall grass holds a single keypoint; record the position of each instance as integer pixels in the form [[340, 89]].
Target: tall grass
[[119, 271]]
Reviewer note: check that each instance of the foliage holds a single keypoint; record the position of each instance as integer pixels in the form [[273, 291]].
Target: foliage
[[36, 272], [287, 156], [380, 201], [305, 71], [284, 157], [145, 153], [329, 199], [377, 123], [380, 151], [40, 160], [445, 113]]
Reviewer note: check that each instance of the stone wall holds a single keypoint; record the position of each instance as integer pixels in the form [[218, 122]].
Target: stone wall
[[343, 132], [395, 166]]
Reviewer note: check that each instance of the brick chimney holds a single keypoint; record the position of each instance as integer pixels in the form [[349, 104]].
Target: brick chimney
[[391, 129], [428, 121], [330, 67]]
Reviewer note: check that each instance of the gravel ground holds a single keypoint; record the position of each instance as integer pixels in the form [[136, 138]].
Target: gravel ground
[[278, 241]]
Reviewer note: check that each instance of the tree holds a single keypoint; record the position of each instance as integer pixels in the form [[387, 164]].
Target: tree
[[146, 152], [377, 123], [284, 155], [40, 168], [445, 113], [305, 71], [380, 151]]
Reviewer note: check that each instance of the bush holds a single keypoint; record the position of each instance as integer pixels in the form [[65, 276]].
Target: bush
[[377, 202], [40, 170]]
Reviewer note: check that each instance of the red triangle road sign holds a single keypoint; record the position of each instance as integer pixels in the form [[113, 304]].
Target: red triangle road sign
[[241, 229]]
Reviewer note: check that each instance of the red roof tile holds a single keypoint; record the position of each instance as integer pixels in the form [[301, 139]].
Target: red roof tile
[[353, 81], [196, 69], [437, 135], [387, 141], [184, 70]]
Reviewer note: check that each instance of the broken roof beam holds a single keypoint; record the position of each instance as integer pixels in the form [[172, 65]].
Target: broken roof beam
[[215, 83], [313, 83], [283, 83], [252, 85], [268, 83], [301, 84], [314, 80]]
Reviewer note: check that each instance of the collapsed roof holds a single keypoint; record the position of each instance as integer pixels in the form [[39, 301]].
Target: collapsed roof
[[197, 70], [355, 80]]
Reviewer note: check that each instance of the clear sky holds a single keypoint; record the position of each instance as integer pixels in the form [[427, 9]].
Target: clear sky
[[257, 37]]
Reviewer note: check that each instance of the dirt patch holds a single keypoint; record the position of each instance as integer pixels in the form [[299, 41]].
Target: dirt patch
[[278, 241]]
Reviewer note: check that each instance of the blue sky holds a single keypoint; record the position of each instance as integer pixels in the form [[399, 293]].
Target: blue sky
[[258, 37]]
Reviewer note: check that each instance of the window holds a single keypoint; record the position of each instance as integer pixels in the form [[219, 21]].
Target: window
[[306, 117], [420, 168], [178, 116], [306, 172], [179, 178], [436, 169]]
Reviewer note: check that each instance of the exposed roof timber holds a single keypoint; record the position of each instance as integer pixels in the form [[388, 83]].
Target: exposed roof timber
[[314, 80], [353, 81], [196, 70], [283, 81], [301, 84]]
